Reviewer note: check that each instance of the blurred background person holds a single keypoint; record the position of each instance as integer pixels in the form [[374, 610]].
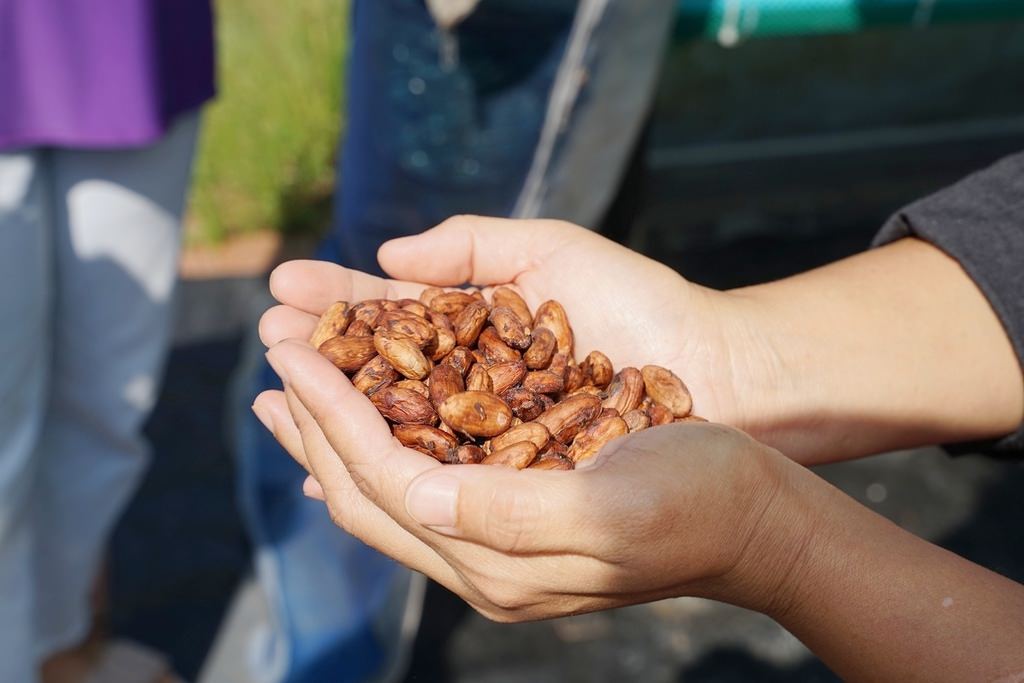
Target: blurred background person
[[500, 107], [99, 108]]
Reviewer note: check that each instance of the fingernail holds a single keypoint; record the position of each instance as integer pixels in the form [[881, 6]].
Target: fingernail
[[432, 501], [311, 489], [264, 416], [277, 366]]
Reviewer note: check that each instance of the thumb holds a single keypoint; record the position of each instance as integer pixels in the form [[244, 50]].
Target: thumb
[[473, 249], [509, 511]]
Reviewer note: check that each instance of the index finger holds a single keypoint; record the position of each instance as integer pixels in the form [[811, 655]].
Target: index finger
[[312, 286]]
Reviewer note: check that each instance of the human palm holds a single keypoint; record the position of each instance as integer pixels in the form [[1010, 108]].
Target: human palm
[[634, 309]]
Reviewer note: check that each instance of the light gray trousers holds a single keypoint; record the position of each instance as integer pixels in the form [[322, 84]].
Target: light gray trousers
[[89, 245]]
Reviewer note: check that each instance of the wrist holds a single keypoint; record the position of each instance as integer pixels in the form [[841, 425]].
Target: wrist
[[768, 375], [782, 533]]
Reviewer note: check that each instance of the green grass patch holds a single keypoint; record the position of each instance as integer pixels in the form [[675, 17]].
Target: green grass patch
[[266, 157]]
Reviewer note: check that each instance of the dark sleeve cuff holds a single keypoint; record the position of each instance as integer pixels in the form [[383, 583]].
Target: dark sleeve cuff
[[980, 223]]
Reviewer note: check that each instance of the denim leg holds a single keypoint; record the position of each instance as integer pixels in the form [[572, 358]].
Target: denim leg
[[117, 234], [26, 284], [440, 125]]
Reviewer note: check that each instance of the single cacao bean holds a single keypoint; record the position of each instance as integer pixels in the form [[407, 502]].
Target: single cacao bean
[[445, 381], [626, 391], [368, 312], [476, 414], [377, 373], [466, 454], [637, 420], [359, 328], [510, 328], [428, 294], [504, 376], [660, 415], [589, 442], [479, 379], [525, 404], [598, 368], [551, 462], [574, 378], [425, 439], [494, 349], [404, 406], [534, 432], [333, 323], [470, 322], [415, 385], [503, 296], [551, 315], [348, 353], [542, 348], [414, 307], [543, 382], [444, 345], [518, 455], [566, 419], [451, 303], [404, 355], [461, 359], [404, 325], [664, 387]]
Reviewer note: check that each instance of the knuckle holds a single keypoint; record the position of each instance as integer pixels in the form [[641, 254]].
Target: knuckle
[[505, 599], [363, 483], [500, 616], [338, 516], [457, 222]]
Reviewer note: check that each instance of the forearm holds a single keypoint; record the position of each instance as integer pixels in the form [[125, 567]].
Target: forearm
[[892, 348], [877, 603]]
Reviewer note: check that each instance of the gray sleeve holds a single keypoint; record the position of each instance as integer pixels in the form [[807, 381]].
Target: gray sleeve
[[980, 223]]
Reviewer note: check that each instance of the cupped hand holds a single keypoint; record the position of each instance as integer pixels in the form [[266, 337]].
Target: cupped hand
[[636, 310], [675, 510]]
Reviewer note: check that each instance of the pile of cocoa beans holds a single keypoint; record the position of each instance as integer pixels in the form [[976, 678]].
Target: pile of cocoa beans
[[467, 382]]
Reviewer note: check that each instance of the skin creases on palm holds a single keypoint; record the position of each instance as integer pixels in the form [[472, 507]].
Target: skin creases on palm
[[621, 319]]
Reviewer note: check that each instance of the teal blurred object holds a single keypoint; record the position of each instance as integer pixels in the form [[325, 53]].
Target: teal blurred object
[[730, 21]]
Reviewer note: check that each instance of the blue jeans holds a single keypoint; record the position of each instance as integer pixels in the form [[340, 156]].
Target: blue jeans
[[493, 119]]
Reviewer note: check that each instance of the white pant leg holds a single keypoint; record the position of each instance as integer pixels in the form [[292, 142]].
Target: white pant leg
[[25, 290], [117, 242]]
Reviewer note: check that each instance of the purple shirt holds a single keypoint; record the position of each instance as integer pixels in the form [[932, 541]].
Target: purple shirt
[[101, 73]]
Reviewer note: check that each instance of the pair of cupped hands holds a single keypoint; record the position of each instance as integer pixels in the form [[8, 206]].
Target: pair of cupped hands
[[683, 509]]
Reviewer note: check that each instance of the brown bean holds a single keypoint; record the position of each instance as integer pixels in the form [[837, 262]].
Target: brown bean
[[377, 373], [426, 439], [591, 440], [510, 328], [504, 376], [469, 322], [566, 419], [542, 348], [404, 406], [503, 296], [333, 323], [479, 379], [445, 381], [518, 455], [348, 353], [403, 354], [476, 414], [664, 387]]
